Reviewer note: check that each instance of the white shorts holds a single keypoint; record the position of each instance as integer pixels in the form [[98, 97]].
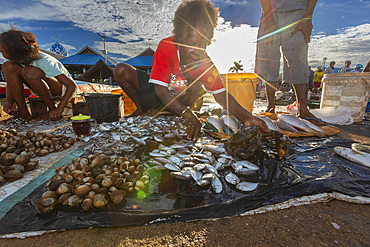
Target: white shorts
[[294, 50]]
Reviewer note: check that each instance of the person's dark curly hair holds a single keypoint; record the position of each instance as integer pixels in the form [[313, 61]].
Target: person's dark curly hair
[[194, 14], [21, 46]]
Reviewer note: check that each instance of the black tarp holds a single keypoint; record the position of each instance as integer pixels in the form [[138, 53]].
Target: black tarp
[[312, 168]]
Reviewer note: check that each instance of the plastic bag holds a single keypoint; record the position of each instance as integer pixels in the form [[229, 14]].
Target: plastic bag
[[292, 109], [334, 115]]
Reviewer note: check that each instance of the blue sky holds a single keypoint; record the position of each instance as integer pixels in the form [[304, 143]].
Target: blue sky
[[341, 28]]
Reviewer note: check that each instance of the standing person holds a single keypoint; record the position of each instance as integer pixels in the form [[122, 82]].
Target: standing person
[[286, 24], [346, 67], [43, 74], [317, 77], [181, 69], [330, 68], [310, 79]]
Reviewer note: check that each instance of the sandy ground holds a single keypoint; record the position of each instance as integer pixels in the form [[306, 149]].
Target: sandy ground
[[334, 223]]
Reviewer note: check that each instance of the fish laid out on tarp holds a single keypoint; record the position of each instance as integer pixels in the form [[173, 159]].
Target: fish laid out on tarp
[[359, 157], [285, 126], [361, 147], [270, 124], [298, 123]]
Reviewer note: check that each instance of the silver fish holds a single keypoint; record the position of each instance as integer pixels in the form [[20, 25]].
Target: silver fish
[[217, 123], [210, 169], [232, 178], [360, 147], [196, 175], [270, 124], [246, 186], [216, 185], [231, 122], [180, 175], [199, 167], [172, 167], [296, 122], [359, 157], [208, 176], [285, 126]]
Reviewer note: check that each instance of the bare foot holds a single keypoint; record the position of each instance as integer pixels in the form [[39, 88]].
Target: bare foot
[[270, 110], [311, 118]]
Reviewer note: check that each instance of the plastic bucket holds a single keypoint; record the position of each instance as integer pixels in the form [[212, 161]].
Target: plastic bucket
[[242, 87], [129, 105], [349, 90], [104, 107]]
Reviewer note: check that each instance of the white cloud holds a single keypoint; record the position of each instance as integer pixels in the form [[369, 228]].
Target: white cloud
[[31, 11], [146, 21], [351, 43]]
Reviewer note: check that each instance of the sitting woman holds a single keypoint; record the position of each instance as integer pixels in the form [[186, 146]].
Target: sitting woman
[[43, 74]]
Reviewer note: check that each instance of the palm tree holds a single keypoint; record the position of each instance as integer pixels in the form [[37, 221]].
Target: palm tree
[[237, 66]]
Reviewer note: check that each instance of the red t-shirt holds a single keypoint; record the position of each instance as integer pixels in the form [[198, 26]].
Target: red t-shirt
[[166, 70]]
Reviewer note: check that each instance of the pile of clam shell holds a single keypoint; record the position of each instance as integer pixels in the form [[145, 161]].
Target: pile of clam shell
[[17, 150], [94, 181]]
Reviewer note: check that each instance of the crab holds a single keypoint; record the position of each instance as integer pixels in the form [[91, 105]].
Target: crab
[[249, 139]]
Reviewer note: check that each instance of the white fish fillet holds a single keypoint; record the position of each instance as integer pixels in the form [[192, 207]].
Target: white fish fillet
[[359, 157]]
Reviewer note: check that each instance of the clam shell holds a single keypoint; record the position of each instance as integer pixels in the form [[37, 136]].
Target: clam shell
[[74, 200], [63, 199], [82, 190], [100, 200], [107, 182], [117, 196], [43, 152], [21, 159], [64, 188], [49, 193], [87, 204], [33, 164], [48, 202], [13, 175], [8, 159]]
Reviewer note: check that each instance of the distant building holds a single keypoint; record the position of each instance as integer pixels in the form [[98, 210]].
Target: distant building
[[143, 61], [59, 49], [90, 65]]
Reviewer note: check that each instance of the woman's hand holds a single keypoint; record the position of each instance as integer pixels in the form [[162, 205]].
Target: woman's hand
[[10, 108], [252, 120], [56, 114], [193, 125]]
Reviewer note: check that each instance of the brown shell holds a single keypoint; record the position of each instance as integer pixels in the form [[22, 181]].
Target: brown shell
[[48, 202], [74, 200], [49, 193], [43, 152], [13, 175], [63, 199], [100, 200], [55, 181], [90, 195], [67, 177], [2, 180], [82, 190], [117, 196], [87, 204], [107, 182], [64, 188], [8, 159], [33, 164]]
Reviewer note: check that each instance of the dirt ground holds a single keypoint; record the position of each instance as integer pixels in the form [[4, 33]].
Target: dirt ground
[[335, 223]]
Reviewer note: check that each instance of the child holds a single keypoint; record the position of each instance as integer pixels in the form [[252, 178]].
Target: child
[[42, 73], [181, 69]]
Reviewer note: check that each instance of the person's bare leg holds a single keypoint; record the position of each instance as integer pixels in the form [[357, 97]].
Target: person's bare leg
[[14, 89], [301, 91], [35, 79], [126, 77], [270, 96]]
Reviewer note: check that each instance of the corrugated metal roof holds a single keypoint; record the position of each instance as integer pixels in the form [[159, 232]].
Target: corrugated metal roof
[[84, 59], [142, 61]]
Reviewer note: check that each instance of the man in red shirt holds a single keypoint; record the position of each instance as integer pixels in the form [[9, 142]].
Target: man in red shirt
[[182, 71]]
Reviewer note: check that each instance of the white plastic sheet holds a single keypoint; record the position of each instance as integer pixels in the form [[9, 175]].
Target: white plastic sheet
[[334, 115]]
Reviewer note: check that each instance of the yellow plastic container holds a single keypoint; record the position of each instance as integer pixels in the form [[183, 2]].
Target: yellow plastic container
[[350, 90], [242, 86], [129, 105]]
